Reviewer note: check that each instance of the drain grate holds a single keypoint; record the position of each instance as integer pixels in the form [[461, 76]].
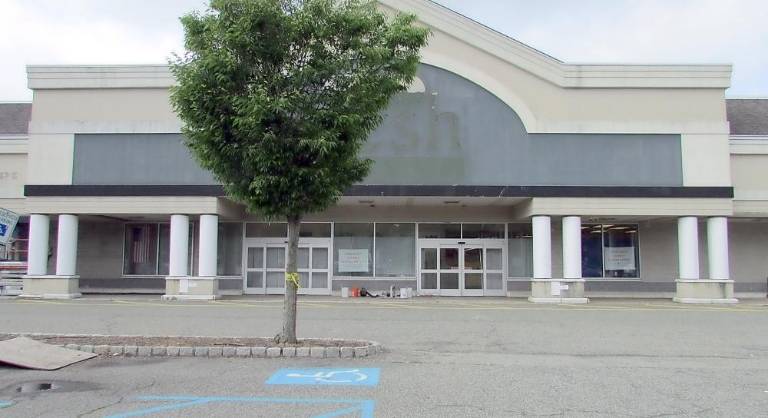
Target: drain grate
[[38, 387], [33, 387]]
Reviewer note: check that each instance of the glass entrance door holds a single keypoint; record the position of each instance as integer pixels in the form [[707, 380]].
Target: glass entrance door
[[266, 263], [472, 271], [449, 277], [264, 268], [314, 270], [461, 269]]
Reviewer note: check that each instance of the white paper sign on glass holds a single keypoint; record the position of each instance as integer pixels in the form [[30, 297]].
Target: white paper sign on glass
[[619, 258], [8, 222], [353, 261]]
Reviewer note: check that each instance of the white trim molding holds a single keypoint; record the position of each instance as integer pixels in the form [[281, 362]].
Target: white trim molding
[[749, 144], [13, 145], [98, 76]]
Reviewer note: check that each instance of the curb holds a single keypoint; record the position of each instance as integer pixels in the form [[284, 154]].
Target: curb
[[369, 349]]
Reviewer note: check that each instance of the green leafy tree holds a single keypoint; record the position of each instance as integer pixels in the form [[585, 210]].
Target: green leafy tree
[[278, 97]]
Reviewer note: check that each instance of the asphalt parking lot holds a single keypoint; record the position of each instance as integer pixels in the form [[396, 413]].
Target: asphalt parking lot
[[444, 357]]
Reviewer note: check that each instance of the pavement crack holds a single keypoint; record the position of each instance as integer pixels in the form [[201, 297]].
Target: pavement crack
[[101, 408]]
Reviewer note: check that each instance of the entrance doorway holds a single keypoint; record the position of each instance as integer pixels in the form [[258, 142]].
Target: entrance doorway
[[266, 263], [461, 268]]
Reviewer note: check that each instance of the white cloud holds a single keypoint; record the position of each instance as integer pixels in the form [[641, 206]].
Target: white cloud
[[78, 32]]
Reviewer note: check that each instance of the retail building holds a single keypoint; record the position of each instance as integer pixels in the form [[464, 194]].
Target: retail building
[[501, 172]]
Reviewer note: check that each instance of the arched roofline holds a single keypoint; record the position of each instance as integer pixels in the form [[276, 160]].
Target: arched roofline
[[477, 76]]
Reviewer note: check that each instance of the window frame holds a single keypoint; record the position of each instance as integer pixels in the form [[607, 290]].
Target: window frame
[[191, 245], [415, 254], [17, 246], [638, 268], [242, 245], [506, 241]]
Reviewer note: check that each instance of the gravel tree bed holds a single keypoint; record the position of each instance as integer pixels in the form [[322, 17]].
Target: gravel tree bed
[[245, 347]]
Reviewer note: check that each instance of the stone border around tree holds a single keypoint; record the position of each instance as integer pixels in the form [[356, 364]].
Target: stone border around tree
[[367, 349]]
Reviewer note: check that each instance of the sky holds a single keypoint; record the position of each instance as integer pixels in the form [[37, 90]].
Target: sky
[[574, 31]]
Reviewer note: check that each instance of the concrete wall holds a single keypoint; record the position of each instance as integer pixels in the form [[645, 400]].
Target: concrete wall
[[750, 175], [749, 170], [100, 250], [749, 255], [412, 213], [13, 173]]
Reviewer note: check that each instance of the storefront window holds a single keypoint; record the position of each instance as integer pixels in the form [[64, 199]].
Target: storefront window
[[610, 251], [230, 249], [482, 231], [592, 251], [16, 249], [165, 250], [520, 250], [141, 249], [266, 230], [440, 231], [353, 249], [147, 249], [315, 230], [395, 250], [620, 252]]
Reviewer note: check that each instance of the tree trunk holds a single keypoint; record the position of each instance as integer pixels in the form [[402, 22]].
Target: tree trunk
[[289, 303]]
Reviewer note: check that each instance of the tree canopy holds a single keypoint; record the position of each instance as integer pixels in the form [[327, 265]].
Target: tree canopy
[[277, 97]]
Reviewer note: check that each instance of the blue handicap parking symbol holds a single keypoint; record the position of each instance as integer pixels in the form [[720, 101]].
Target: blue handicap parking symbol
[[3, 230], [326, 377]]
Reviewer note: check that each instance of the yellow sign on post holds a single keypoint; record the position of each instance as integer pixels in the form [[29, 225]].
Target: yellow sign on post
[[292, 278]]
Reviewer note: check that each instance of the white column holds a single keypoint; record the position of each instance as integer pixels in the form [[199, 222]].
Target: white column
[[572, 247], [542, 247], [66, 246], [209, 233], [178, 265], [717, 248], [688, 247], [37, 258]]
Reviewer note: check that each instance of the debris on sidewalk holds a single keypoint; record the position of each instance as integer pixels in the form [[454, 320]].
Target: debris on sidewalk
[[30, 354]]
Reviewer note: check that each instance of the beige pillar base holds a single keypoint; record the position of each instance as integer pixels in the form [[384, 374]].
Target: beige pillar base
[[51, 287], [191, 288], [560, 291], [705, 291]]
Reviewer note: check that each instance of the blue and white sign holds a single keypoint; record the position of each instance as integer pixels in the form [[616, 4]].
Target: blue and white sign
[[8, 222], [326, 377]]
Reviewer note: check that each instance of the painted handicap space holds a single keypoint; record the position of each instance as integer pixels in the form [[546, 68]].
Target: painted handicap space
[[326, 377], [184, 404]]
